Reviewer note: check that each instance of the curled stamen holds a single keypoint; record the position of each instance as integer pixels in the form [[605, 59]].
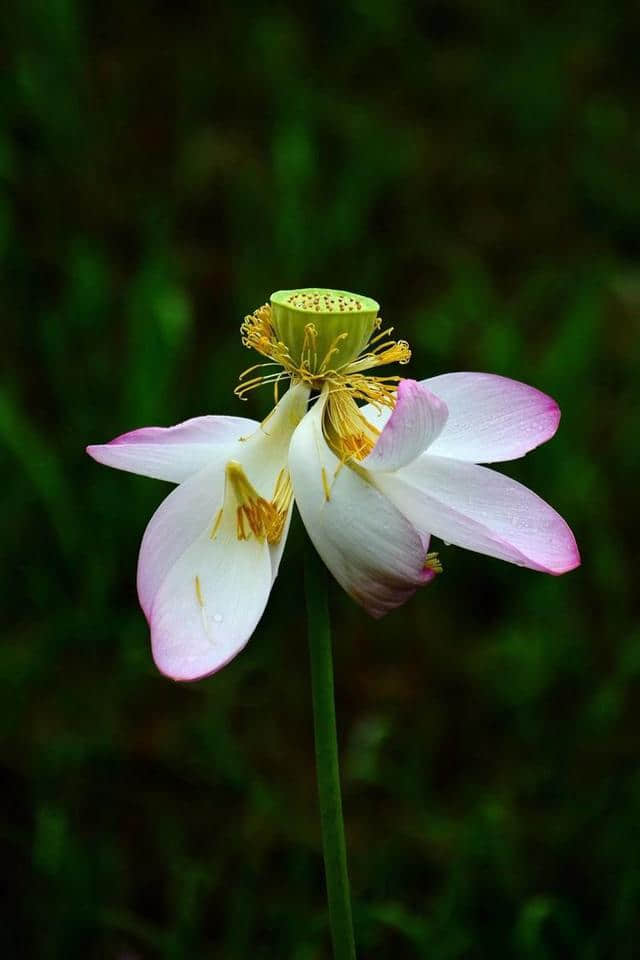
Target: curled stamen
[[333, 349], [313, 358], [259, 333]]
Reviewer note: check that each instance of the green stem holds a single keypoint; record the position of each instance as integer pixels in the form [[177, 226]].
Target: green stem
[[328, 772]]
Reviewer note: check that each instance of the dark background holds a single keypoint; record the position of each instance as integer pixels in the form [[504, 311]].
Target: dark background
[[473, 165]]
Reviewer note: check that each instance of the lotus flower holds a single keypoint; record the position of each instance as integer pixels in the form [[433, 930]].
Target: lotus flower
[[372, 482]]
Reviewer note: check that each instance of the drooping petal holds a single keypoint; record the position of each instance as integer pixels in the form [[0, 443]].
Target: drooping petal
[[370, 548], [171, 453], [491, 418], [176, 525], [210, 602], [202, 588], [415, 422], [191, 509], [476, 508]]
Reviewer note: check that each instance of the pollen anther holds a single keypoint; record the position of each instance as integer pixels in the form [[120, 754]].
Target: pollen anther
[[325, 485], [199, 596], [432, 562], [314, 369], [347, 431], [256, 516]]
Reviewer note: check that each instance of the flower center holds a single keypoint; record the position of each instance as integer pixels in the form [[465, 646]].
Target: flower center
[[326, 339], [322, 336], [323, 329]]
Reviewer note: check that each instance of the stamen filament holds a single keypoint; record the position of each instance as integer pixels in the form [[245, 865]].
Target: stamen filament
[[432, 562], [308, 359], [325, 485], [258, 333], [199, 596], [264, 519], [216, 524]]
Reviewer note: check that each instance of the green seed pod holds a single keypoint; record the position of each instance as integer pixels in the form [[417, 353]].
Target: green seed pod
[[324, 329]]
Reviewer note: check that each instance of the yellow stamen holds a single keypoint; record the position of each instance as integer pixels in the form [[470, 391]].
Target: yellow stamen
[[216, 524], [432, 562], [314, 359], [258, 333], [333, 349], [264, 519], [347, 432], [199, 596], [390, 351], [309, 355], [325, 484]]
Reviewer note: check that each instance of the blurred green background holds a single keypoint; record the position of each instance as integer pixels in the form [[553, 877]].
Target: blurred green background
[[473, 165]]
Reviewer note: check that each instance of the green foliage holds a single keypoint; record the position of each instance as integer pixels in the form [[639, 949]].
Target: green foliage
[[473, 167]]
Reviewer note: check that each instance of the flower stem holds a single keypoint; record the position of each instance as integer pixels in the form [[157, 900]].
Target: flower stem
[[324, 720]]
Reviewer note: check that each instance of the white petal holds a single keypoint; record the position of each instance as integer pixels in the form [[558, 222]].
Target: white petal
[[191, 509], [415, 422], [210, 603], [180, 519], [477, 508], [171, 453], [198, 625], [491, 418], [371, 550]]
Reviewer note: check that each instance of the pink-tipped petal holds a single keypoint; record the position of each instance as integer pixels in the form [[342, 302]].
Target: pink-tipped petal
[[176, 525], [369, 547], [203, 589], [491, 418], [416, 420], [171, 453], [192, 507], [210, 603], [476, 508]]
